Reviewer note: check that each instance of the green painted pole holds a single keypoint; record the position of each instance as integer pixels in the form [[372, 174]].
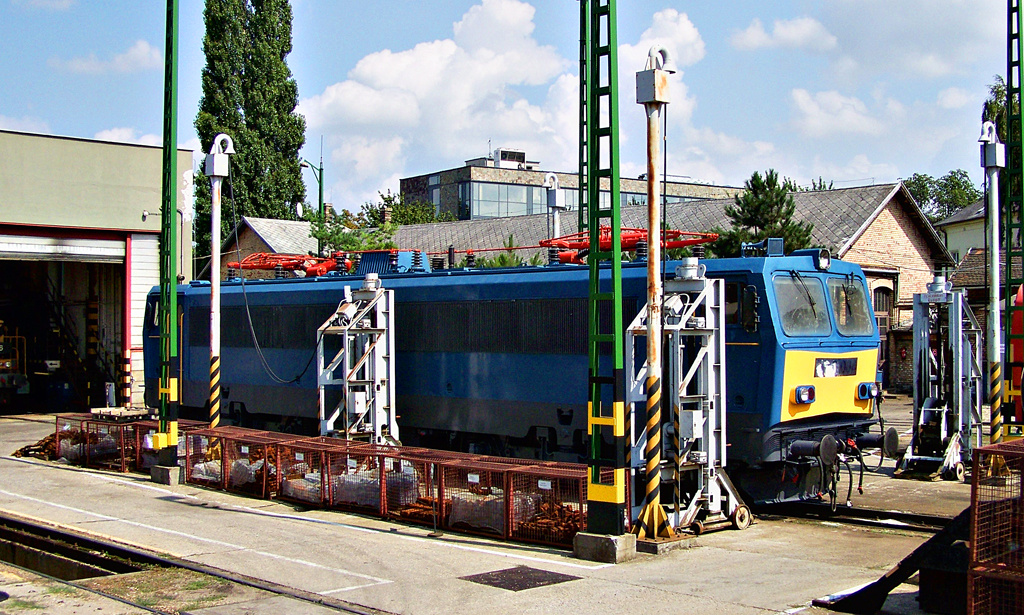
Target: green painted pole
[[168, 238], [320, 182]]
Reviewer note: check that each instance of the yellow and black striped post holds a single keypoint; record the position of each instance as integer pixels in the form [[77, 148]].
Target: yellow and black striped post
[[126, 380], [995, 425], [214, 391], [653, 522]]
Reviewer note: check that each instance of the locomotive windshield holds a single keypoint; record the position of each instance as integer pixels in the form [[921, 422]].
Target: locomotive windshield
[[802, 307], [850, 306]]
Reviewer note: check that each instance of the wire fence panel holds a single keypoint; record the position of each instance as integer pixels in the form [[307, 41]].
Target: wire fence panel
[[204, 458], [250, 462], [994, 593], [549, 503], [304, 470], [996, 574], [478, 493], [71, 437], [110, 445], [355, 482]]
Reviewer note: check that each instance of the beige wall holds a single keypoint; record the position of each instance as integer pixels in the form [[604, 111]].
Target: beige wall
[[80, 183], [248, 243], [962, 237]]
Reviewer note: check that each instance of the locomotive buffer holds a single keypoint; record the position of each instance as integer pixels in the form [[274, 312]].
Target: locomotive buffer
[[697, 491]]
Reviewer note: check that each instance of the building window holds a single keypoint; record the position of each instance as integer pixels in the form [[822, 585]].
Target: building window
[[882, 299], [487, 200]]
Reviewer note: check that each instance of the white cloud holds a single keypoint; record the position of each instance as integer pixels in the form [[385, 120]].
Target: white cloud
[[799, 33], [857, 171], [916, 38], [23, 124], [403, 112], [826, 114], [670, 28], [953, 98], [127, 135], [140, 56]]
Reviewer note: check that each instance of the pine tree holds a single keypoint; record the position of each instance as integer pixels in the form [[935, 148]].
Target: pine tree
[[249, 94], [764, 209]]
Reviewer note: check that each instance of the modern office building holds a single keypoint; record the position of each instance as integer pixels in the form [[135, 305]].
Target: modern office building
[[506, 184]]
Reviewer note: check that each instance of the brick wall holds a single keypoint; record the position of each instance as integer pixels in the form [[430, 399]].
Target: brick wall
[[895, 240], [248, 243]]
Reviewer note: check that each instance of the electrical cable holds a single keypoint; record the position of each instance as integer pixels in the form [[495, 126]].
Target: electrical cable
[[245, 298]]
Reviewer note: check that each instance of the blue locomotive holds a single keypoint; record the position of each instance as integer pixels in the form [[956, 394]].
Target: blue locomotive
[[495, 361]]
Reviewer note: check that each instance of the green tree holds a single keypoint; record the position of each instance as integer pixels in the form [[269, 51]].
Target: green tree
[[249, 94], [994, 108], [372, 228], [922, 187], [943, 197], [764, 209], [953, 192], [819, 184]]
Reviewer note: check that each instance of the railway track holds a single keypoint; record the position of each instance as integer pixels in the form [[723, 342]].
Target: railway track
[[892, 519], [66, 557]]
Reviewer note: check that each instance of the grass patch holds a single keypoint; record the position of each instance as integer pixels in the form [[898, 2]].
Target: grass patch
[[23, 605], [198, 584], [61, 590]]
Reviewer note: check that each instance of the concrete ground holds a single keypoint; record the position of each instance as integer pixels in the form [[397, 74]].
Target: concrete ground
[[775, 566]]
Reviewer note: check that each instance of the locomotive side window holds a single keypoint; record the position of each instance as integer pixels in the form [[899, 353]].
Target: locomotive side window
[[850, 306], [802, 307], [732, 303]]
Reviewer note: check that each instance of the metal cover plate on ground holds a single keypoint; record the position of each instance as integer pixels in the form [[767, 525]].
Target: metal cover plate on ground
[[519, 578]]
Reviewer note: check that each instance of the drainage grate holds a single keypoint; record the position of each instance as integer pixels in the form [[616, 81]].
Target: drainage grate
[[519, 578]]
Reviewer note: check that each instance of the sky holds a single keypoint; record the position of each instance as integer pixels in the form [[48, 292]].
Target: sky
[[853, 92]]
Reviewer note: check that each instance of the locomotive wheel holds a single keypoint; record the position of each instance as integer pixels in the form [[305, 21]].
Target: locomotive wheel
[[741, 518]]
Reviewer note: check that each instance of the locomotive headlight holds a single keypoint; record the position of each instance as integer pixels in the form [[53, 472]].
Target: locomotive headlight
[[824, 259], [867, 390], [803, 394]]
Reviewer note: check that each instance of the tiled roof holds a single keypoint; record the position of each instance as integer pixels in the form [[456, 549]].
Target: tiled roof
[[837, 216], [283, 236], [972, 272], [973, 211]]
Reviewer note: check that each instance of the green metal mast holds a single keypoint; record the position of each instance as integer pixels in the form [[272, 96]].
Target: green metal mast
[[1013, 222], [583, 221], [599, 157], [168, 239]]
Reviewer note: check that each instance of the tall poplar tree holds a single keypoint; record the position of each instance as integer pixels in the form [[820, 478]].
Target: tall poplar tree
[[249, 94]]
